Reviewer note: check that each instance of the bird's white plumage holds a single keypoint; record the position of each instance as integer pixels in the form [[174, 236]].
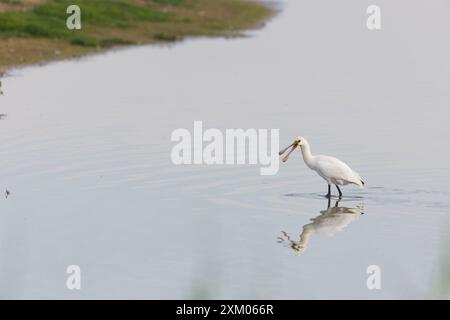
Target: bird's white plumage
[[331, 169], [334, 171]]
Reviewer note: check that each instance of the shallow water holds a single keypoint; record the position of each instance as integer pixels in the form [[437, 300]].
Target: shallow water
[[85, 154]]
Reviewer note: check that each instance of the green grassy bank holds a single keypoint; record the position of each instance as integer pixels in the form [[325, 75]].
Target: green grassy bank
[[33, 31]]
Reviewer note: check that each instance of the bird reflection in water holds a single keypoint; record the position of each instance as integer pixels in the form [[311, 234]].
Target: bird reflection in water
[[328, 223]]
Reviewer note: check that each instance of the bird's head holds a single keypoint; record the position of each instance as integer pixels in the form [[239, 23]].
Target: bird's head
[[297, 142]]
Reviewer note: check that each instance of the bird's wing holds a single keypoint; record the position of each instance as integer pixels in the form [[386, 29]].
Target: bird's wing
[[336, 169]]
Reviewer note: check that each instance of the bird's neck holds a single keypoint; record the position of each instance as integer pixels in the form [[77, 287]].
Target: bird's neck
[[306, 152], [308, 230]]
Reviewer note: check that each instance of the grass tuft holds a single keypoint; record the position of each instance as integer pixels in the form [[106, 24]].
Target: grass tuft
[[165, 37]]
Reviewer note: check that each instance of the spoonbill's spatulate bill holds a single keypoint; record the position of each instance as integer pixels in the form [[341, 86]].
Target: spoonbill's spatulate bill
[[331, 169]]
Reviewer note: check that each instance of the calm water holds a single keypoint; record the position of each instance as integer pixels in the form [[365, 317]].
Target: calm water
[[85, 152]]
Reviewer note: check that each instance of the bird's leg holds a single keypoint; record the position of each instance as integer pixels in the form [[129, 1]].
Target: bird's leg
[[339, 190], [329, 192]]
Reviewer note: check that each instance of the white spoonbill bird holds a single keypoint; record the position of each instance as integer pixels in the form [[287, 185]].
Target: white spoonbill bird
[[331, 169]]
